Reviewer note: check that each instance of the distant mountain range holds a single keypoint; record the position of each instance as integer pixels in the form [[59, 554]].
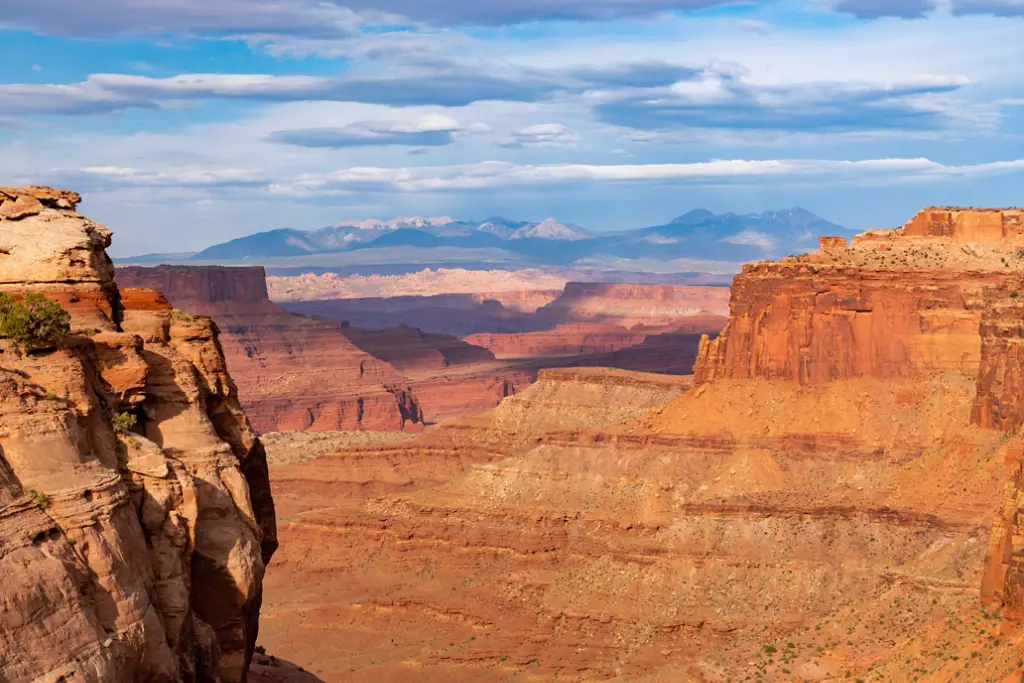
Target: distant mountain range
[[698, 234]]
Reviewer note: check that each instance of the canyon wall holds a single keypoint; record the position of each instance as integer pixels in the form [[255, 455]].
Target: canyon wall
[[836, 497], [812, 323], [136, 517], [292, 372]]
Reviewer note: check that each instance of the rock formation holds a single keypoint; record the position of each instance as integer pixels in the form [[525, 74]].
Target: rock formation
[[576, 339], [453, 314], [630, 305], [837, 497], [292, 372], [814, 323], [295, 372], [622, 305], [135, 510]]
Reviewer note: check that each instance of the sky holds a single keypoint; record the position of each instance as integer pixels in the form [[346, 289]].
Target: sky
[[185, 123]]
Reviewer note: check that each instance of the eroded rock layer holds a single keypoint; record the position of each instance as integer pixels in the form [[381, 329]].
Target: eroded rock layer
[[633, 305], [559, 537], [136, 517], [292, 372], [817, 323], [837, 498]]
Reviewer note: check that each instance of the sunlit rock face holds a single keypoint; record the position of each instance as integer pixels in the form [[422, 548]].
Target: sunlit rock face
[[136, 518]]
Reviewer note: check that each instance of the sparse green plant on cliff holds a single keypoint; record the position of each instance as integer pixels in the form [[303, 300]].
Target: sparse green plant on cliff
[[1014, 295], [123, 422], [34, 321], [41, 500], [181, 315]]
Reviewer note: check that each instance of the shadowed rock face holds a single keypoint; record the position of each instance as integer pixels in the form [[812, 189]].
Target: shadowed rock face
[[292, 372], [132, 555]]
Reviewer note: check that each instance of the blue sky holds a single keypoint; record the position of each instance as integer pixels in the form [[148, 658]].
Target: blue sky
[[189, 122]]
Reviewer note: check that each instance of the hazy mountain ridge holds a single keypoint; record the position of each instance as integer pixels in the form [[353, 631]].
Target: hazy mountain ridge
[[698, 234]]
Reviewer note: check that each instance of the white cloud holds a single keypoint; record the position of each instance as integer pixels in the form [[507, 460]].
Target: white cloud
[[756, 26], [495, 174], [543, 136], [752, 238], [118, 176], [432, 130]]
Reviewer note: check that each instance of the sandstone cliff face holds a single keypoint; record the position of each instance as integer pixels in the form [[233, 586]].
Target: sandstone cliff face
[[1000, 402], [132, 556], [817, 323], [292, 372], [942, 294], [962, 226]]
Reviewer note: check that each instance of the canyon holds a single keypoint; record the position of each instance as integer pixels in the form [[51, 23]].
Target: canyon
[[136, 517], [832, 495], [324, 366]]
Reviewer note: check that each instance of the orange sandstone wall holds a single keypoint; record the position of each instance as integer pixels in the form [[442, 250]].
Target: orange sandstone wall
[[983, 226], [815, 324], [1000, 396]]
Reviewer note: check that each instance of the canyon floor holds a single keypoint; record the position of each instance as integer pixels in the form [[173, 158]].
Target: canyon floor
[[603, 525]]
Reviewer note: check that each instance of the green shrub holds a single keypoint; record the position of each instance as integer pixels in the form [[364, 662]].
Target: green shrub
[[181, 315], [123, 422], [34, 320], [41, 500]]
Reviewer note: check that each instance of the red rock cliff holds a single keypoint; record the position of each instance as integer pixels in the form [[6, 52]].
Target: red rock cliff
[[131, 554], [815, 323], [943, 295]]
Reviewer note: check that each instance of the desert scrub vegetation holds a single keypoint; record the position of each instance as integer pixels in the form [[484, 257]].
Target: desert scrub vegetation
[[41, 500], [34, 321], [181, 315], [123, 422]]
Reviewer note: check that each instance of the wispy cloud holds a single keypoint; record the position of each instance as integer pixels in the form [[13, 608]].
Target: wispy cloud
[[543, 136], [429, 131], [311, 18], [916, 9], [70, 17], [446, 84], [496, 174], [873, 9], [730, 103], [756, 26], [999, 8], [112, 177]]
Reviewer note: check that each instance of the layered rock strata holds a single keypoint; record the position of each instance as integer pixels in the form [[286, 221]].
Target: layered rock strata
[[292, 372], [576, 339], [633, 305], [837, 497], [134, 553]]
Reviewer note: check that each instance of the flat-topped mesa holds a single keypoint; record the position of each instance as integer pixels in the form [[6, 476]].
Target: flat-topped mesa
[[630, 305], [813, 324], [135, 510], [201, 289], [968, 225], [47, 247], [891, 304]]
